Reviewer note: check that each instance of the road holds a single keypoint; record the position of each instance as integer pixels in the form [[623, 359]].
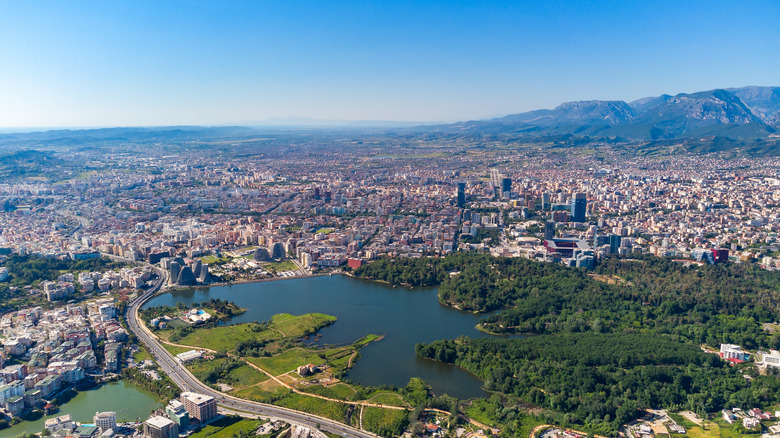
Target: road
[[187, 382]]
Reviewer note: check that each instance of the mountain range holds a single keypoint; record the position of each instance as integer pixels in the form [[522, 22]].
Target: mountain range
[[737, 113]]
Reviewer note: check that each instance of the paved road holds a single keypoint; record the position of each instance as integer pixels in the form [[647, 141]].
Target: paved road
[[187, 382]]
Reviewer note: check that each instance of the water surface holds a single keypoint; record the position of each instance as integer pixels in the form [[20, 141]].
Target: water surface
[[405, 316], [127, 400]]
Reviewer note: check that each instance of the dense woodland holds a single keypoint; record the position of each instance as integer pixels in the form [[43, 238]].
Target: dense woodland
[[705, 304], [601, 380], [600, 350]]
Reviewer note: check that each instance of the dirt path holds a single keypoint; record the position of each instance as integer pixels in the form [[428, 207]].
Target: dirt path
[[351, 358], [362, 404], [472, 421], [396, 395]]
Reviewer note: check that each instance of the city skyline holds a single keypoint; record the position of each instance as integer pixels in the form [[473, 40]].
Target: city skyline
[[186, 63]]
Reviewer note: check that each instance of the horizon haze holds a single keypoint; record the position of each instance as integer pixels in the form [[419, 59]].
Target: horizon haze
[[197, 63]]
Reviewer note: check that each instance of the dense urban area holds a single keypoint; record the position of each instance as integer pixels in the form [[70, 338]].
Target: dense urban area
[[635, 293]]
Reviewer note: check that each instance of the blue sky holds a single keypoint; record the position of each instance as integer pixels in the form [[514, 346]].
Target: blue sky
[[147, 63]]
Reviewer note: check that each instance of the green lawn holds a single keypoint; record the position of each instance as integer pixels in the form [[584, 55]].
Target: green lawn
[[482, 411], [238, 377], [213, 260], [223, 338], [259, 394], [141, 355], [527, 424], [228, 336], [341, 391], [324, 408], [287, 360], [174, 350], [385, 422], [297, 326], [284, 265], [228, 426], [387, 398]]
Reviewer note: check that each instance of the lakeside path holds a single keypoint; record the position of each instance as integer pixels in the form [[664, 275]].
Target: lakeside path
[[358, 403], [286, 385]]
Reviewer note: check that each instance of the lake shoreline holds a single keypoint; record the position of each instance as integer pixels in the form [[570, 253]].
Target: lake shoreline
[[133, 402], [405, 316]]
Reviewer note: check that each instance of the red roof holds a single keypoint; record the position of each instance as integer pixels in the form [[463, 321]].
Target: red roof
[[734, 360]]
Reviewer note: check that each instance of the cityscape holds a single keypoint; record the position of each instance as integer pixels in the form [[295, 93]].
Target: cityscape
[[402, 219]]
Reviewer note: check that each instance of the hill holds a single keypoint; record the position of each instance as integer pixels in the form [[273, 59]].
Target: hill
[[748, 113]]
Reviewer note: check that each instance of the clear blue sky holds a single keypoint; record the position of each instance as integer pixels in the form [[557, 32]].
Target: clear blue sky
[[131, 63]]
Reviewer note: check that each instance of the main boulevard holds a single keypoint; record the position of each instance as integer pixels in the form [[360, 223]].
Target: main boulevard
[[228, 404]]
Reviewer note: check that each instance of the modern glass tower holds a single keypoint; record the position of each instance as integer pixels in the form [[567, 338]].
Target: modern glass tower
[[579, 203]]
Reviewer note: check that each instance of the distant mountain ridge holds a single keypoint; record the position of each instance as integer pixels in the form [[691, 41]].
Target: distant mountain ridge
[[737, 113]]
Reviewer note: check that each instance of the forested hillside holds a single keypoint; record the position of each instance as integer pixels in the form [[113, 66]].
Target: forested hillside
[[602, 379], [704, 304]]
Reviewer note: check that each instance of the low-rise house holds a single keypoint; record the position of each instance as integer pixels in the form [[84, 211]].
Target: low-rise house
[[751, 422], [56, 424]]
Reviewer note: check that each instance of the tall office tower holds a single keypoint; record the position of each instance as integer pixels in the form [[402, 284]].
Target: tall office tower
[[614, 243], [545, 201], [579, 204], [549, 230], [461, 194], [506, 186]]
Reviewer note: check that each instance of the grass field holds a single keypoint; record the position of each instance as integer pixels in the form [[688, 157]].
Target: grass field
[[239, 377], [287, 361], [482, 411], [527, 424], [333, 410], [341, 391], [296, 326], [225, 338], [174, 350], [213, 261], [387, 398], [262, 394], [227, 427], [386, 422], [285, 265], [141, 355]]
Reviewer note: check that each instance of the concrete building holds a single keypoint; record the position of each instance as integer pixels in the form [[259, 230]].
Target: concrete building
[[160, 427], [105, 420], [200, 407], [579, 204], [178, 414], [56, 424]]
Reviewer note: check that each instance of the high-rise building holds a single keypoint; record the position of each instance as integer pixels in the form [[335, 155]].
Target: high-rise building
[[614, 243], [549, 230], [160, 427], [579, 204], [200, 407], [461, 194], [178, 414], [506, 185], [105, 420]]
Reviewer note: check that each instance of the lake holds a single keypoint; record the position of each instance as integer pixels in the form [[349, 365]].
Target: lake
[[128, 401], [405, 316]]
